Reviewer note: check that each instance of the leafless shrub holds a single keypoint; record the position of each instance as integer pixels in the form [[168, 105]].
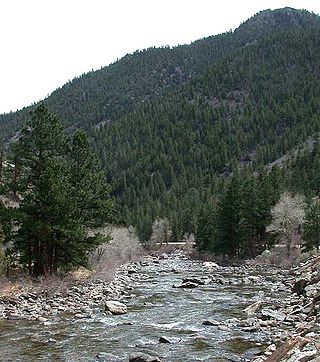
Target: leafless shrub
[[123, 247]]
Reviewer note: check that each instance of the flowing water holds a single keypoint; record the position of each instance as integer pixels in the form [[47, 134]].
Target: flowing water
[[156, 310]]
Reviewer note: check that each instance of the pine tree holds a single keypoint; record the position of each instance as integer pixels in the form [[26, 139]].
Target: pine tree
[[311, 226], [206, 232], [1, 162], [229, 237], [63, 191]]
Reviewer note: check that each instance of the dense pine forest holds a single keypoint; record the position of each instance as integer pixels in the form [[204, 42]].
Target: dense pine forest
[[207, 135]]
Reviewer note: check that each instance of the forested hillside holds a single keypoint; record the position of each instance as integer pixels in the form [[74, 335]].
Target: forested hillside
[[172, 125]]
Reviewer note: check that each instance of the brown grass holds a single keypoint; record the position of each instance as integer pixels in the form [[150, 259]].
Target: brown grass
[[13, 287]]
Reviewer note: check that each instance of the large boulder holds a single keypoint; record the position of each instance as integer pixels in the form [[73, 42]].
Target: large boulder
[[142, 357], [115, 307]]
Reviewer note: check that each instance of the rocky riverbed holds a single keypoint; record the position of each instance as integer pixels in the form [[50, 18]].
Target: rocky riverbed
[[170, 308]]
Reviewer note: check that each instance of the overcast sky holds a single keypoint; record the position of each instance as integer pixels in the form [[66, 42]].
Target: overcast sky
[[45, 43]]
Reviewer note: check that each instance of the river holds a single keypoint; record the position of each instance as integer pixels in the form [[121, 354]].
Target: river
[[155, 309]]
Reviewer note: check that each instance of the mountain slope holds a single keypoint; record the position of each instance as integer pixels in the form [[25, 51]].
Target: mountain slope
[[251, 107], [167, 123], [105, 94]]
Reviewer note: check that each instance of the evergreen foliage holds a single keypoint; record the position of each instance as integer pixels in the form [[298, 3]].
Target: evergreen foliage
[[311, 227], [237, 226], [63, 192]]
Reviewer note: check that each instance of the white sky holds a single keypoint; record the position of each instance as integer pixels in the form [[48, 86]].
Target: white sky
[[45, 43]]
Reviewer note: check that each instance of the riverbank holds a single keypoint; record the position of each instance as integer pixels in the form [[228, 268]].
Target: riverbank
[[78, 299], [257, 311], [297, 319]]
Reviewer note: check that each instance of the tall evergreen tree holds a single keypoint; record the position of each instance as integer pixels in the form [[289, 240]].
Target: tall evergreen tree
[[311, 226], [229, 237], [58, 203], [206, 233]]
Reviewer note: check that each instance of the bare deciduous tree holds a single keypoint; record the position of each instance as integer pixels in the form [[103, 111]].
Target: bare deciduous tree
[[161, 232], [287, 217]]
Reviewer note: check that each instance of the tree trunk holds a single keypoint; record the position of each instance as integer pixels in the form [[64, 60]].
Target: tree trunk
[[29, 256], [1, 164]]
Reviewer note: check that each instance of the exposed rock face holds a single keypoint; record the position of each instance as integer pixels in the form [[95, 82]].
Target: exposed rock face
[[115, 307]]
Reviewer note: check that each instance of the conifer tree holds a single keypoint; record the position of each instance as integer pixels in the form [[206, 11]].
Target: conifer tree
[[229, 238], [1, 162], [58, 202], [206, 232], [311, 226]]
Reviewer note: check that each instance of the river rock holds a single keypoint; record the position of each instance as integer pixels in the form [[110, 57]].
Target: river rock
[[270, 313], [312, 290], [42, 319], [107, 357], [187, 285], [142, 357], [210, 265], [251, 309], [250, 329], [115, 307], [290, 351], [163, 339], [14, 316], [79, 316], [193, 280], [211, 323]]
